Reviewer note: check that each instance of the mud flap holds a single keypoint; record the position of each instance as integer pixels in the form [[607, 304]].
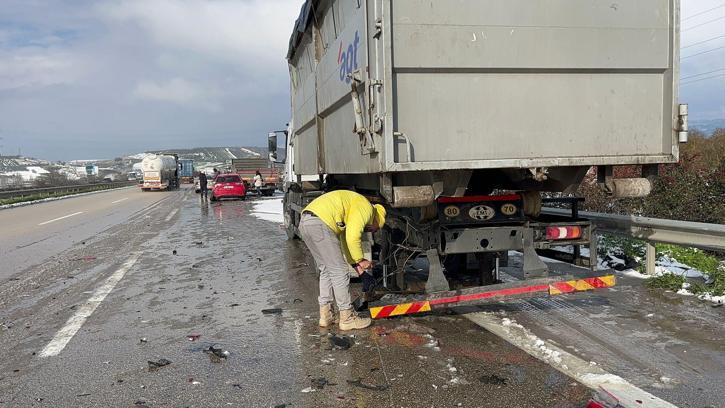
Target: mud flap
[[436, 280], [534, 267]]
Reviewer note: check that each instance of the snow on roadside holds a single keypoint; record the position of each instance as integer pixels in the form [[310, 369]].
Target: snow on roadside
[[269, 209]]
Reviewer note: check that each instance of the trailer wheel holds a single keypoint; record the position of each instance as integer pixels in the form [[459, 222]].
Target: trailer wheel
[[290, 223]]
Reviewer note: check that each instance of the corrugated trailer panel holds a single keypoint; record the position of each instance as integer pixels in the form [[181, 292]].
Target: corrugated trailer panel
[[511, 81]]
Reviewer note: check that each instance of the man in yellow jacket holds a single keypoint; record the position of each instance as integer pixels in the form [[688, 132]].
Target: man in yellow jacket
[[332, 226]]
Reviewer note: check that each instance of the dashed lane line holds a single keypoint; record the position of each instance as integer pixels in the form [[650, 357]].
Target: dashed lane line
[[171, 214], [589, 374], [60, 218], [71, 327]]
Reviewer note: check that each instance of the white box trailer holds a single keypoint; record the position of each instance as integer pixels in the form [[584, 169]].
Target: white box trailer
[[411, 101]]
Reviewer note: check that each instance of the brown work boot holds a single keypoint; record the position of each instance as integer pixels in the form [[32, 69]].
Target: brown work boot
[[349, 320], [327, 317]]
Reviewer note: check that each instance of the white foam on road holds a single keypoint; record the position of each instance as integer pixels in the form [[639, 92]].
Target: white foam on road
[[585, 372], [269, 210], [118, 201], [61, 218], [171, 214], [71, 327]]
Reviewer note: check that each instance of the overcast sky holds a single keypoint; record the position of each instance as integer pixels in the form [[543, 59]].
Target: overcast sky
[[95, 79]]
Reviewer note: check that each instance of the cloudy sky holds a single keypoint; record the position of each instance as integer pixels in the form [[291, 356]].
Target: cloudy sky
[[94, 79]]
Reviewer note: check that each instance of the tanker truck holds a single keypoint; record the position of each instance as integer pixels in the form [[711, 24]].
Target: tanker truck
[[459, 115], [160, 172]]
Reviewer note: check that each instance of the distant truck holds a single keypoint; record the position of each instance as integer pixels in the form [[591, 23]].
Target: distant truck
[[186, 171], [247, 168], [160, 172]]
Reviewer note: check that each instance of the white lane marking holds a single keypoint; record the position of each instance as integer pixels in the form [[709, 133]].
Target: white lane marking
[[71, 327], [584, 372], [118, 201], [171, 214], [60, 218]]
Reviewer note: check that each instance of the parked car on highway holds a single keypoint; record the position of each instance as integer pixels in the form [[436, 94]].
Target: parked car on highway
[[228, 185]]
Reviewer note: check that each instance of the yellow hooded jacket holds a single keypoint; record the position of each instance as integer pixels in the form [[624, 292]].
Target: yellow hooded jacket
[[347, 213]]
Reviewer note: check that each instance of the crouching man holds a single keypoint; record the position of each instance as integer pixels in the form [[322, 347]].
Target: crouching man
[[332, 226]]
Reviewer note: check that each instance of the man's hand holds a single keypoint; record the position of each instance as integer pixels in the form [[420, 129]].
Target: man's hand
[[364, 265]]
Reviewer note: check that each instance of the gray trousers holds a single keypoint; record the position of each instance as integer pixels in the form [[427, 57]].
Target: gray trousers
[[334, 269]]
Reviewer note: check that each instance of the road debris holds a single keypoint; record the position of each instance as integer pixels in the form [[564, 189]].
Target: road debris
[[143, 340], [297, 300], [83, 395], [193, 382], [492, 379], [173, 252], [272, 311], [319, 383], [155, 365], [308, 390], [373, 387], [233, 304], [193, 337], [340, 342], [216, 355]]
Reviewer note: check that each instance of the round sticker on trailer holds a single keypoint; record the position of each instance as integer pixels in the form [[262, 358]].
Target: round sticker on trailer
[[508, 209], [481, 212], [451, 211]]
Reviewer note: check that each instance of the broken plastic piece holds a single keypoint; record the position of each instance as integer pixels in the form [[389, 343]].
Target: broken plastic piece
[[216, 354], [155, 365], [340, 342], [272, 311]]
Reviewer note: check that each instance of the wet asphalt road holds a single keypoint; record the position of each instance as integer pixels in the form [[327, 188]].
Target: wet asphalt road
[[228, 267]]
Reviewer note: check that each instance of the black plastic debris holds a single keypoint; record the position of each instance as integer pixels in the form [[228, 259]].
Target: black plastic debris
[[140, 403], [173, 252], [155, 365], [83, 395], [297, 300], [280, 406], [199, 243], [143, 340], [238, 386], [492, 379], [319, 383], [272, 311], [373, 387], [216, 355], [340, 342], [234, 305]]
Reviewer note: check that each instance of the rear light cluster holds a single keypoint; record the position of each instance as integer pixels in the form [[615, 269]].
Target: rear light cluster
[[564, 232]]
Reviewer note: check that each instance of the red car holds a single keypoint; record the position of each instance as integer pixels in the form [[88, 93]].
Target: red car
[[228, 185]]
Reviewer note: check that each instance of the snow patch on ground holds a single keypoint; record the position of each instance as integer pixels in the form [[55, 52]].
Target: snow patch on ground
[[252, 152], [269, 210]]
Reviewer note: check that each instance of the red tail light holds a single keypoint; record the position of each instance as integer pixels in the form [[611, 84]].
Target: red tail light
[[567, 232]]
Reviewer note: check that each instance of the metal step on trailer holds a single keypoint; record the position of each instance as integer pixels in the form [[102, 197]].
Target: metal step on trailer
[[391, 305]]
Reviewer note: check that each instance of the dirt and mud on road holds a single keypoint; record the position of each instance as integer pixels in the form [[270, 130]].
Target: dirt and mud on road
[[214, 307]]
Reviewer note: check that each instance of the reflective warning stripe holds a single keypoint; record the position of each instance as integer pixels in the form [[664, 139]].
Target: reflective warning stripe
[[581, 285], [576, 285], [397, 310]]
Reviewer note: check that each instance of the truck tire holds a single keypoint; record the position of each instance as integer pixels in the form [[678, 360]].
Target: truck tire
[[290, 222]]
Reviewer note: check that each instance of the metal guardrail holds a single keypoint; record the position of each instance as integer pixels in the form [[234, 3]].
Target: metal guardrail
[[654, 230], [49, 191]]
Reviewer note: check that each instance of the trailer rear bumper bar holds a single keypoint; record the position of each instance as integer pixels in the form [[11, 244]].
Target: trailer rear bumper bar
[[397, 305]]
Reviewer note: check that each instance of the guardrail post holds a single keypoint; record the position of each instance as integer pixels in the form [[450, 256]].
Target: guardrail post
[[651, 257]]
